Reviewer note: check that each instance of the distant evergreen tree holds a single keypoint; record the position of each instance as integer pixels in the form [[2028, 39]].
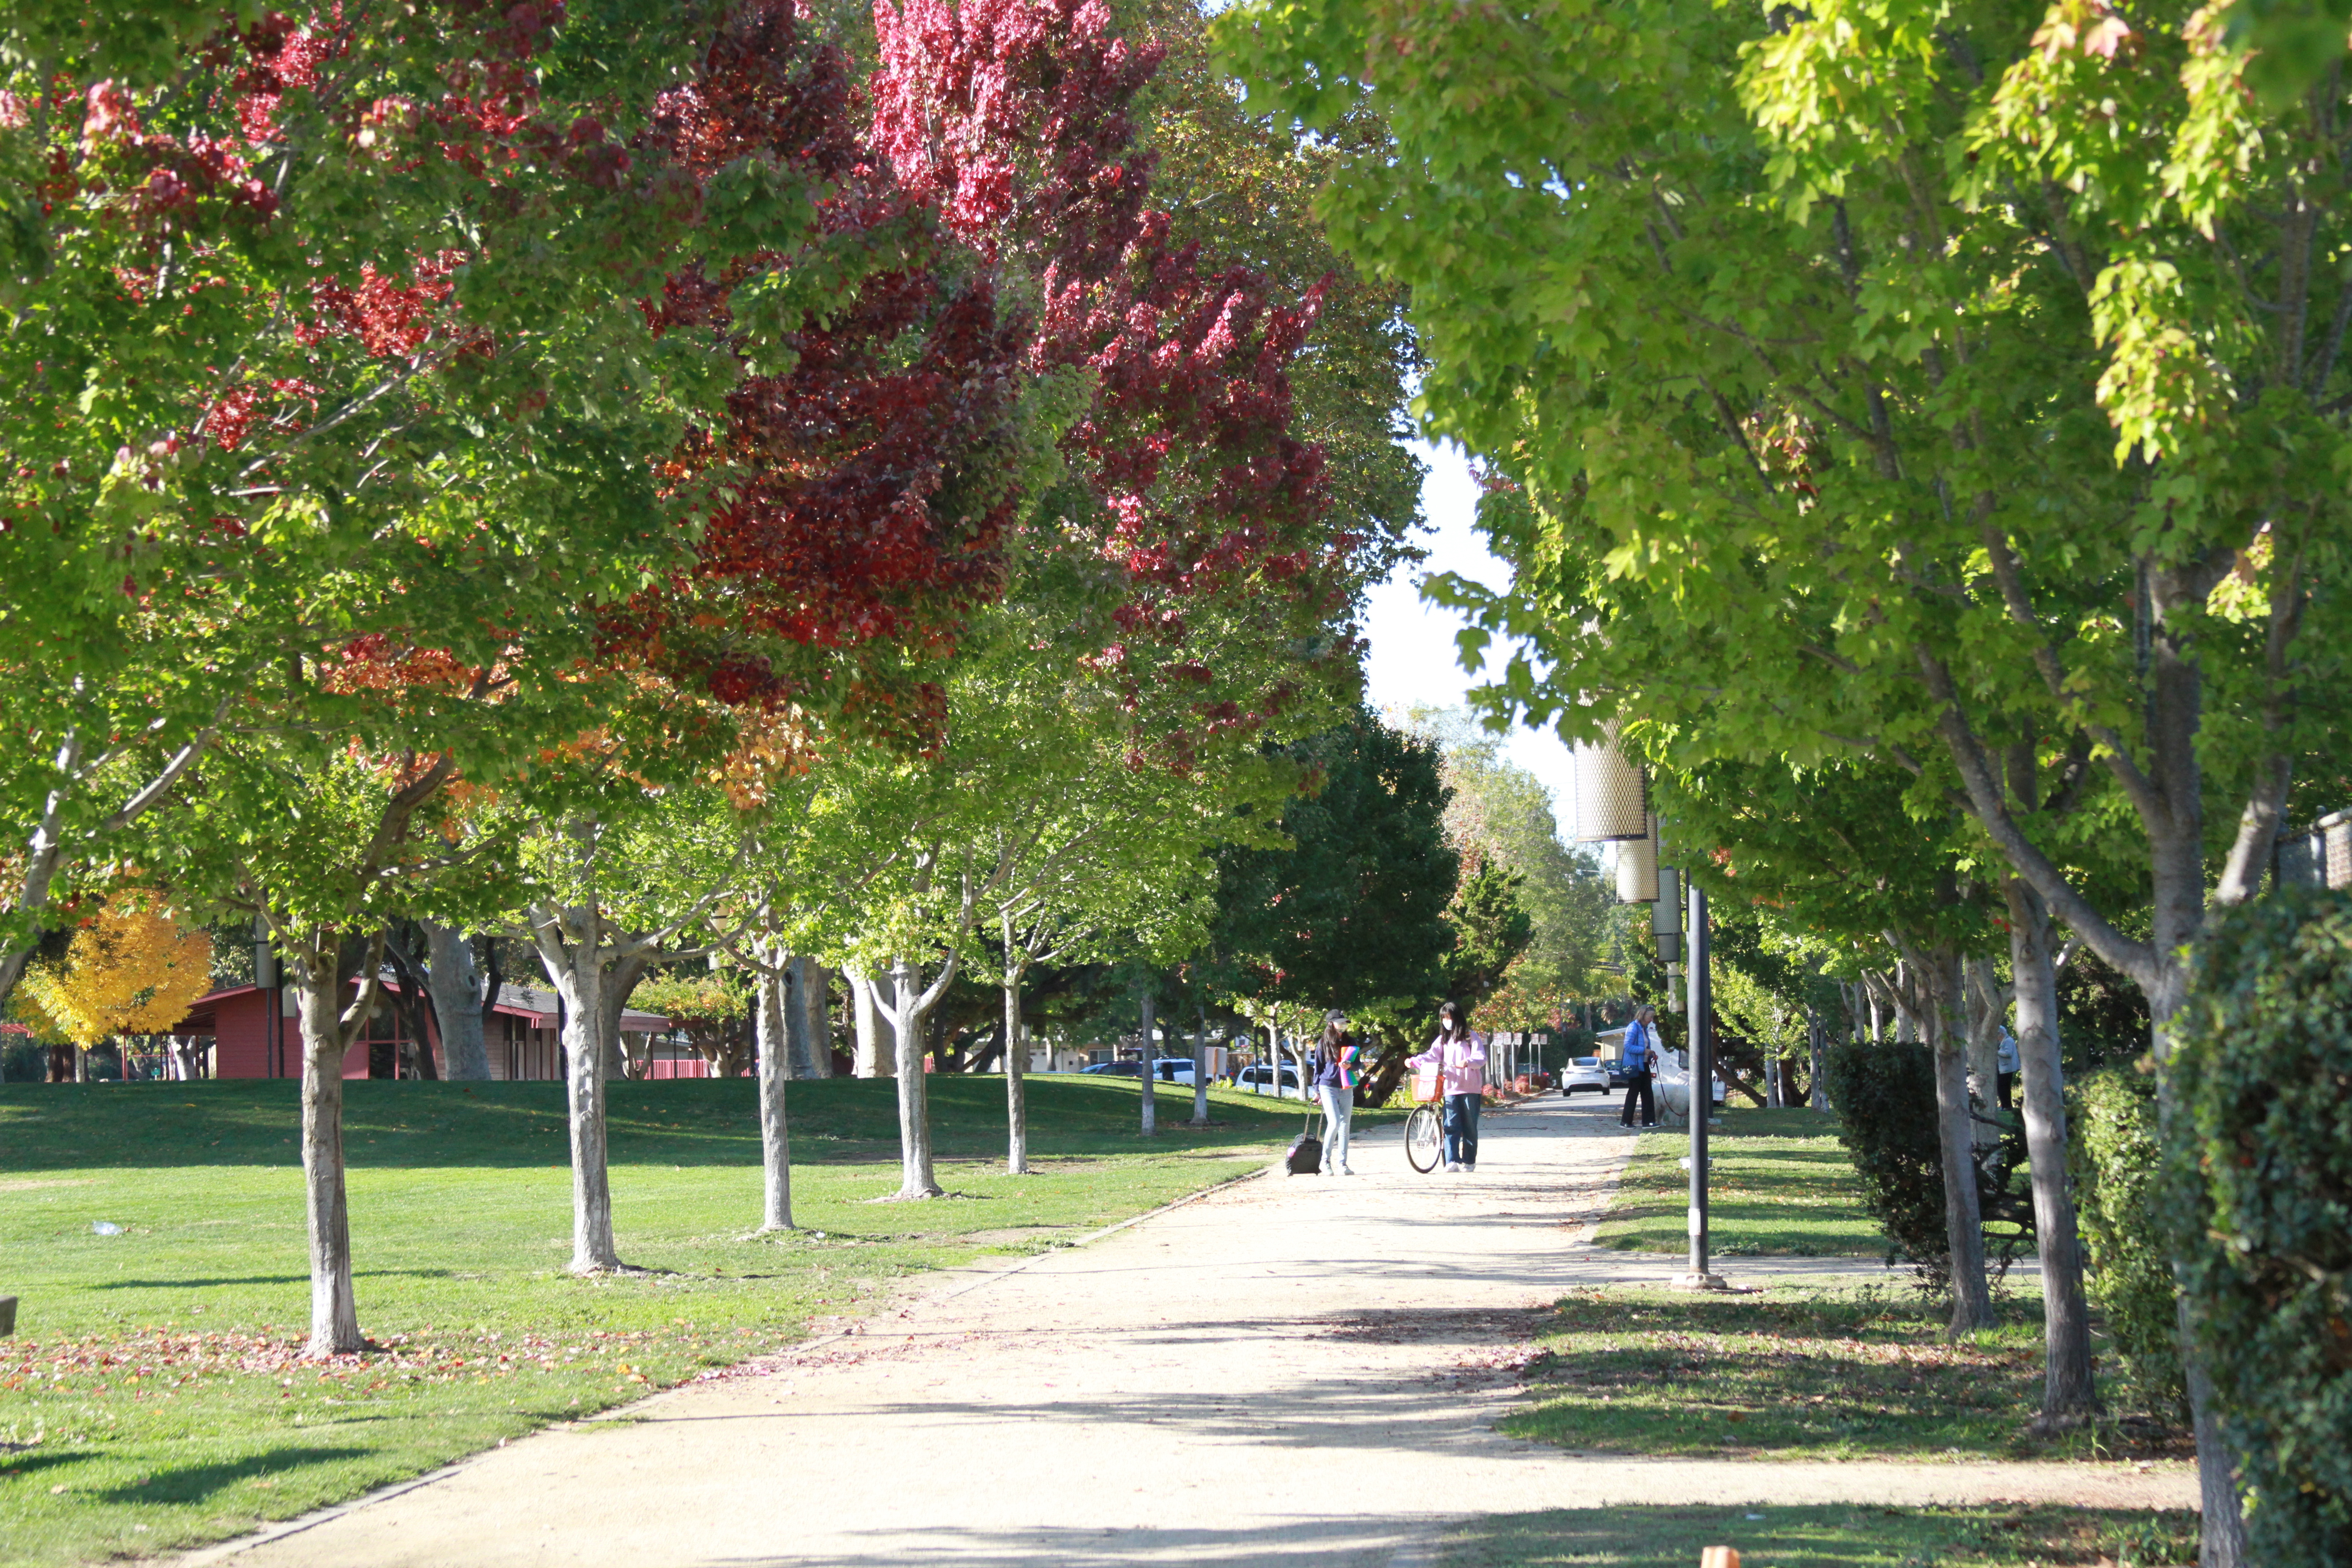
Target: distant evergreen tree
[[1491, 928]]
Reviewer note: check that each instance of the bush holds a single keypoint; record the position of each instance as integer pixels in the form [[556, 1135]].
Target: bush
[[2258, 1187], [2103, 1018], [2112, 1146], [1885, 1096]]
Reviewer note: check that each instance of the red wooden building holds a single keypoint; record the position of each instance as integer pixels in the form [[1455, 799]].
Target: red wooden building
[[254, 1034]]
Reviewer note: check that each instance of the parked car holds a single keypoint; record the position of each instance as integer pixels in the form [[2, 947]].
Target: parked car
[[1262, 1077], [1674, 1088], [1170, 1070], [1619, 1076], [1584, 1072]]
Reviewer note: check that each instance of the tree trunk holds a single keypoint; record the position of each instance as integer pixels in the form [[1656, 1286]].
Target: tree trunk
[[456, 1004], [2067, 1390], [42, 852], [334, 1311], [1150, 1100], [413, 1005], [1016, 1065], [915, 1179], [980, 1057], [2175, 829], [570, 947], [1201, 1066], [877, 1050], [2168, 796], [620, 980], [808, 1036], [1817, 1086], [775, 1072], [1963, 1218], [593, 1247], [1979, 990]]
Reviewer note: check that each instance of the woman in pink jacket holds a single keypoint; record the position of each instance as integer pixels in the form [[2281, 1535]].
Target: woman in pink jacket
[[1459, 1057]]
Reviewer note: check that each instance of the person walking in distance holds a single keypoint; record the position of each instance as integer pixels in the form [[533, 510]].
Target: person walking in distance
[[1458, 1055], [1335, 1085], [1641, 1054]]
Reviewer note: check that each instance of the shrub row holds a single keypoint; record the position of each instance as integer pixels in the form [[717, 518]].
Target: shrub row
[[2258, 1190]]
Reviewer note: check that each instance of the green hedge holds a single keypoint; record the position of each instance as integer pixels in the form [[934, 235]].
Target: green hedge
[[2259, 1188], [2113, 1148], [1885, 1098]]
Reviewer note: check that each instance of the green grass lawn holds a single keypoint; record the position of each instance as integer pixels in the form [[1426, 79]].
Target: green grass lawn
[[1813, 1369], [1782, 1185], [153, 1397], [1834, 1537]]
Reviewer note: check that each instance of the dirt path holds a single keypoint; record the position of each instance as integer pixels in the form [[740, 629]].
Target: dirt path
[[1290, 1370]]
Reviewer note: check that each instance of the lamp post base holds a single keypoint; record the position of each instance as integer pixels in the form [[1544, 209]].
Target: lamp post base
[[1701, 1282]]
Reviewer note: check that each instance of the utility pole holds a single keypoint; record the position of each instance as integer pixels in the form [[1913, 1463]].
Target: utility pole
[[1701, 1078]]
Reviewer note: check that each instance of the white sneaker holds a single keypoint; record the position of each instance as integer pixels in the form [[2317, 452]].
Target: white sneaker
[[1452, 1167]]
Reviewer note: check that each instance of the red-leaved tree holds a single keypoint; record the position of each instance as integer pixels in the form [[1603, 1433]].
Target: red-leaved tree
[[857, 483], [1015, 118]]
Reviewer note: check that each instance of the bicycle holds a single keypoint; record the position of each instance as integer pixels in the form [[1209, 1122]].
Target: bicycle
[[1424, 1129]]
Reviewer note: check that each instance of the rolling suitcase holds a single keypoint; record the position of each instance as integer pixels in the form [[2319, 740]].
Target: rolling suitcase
[[1306, 1156]]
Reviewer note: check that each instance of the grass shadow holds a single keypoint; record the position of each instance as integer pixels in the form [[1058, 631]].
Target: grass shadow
[[1836, 1536], [197, 1483], [1825, 1372], [682, 1122]]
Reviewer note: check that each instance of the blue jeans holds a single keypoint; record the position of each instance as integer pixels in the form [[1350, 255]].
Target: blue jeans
[[1462, 1129], [1339, 1105]]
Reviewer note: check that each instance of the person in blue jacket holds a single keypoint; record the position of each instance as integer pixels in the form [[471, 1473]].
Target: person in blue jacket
[[1641, 1058]]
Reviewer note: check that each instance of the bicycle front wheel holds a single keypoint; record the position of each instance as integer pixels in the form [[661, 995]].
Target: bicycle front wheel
[[1424, 1139]]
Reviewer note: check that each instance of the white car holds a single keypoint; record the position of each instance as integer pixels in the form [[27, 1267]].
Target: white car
[[1585, 1072], [1261, 1077]]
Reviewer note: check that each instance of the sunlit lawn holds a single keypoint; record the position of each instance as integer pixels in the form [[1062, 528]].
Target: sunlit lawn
[[1780, 1184], [153, 1396]]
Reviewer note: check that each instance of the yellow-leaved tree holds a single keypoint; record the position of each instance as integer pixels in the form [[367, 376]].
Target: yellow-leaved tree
[[132, 970]]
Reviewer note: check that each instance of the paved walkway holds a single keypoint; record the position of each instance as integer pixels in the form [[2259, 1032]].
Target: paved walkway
[[1288, 1370]]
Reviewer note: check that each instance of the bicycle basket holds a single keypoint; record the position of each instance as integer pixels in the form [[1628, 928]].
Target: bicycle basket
[[1425, 1089]]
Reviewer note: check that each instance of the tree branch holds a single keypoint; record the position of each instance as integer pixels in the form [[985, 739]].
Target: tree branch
[[1986, 802]]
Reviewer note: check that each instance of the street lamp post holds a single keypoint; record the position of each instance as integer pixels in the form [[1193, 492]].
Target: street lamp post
[[1701, 1079]]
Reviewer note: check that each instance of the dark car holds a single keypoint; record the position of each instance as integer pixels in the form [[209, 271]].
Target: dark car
[[1171, 1070]]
